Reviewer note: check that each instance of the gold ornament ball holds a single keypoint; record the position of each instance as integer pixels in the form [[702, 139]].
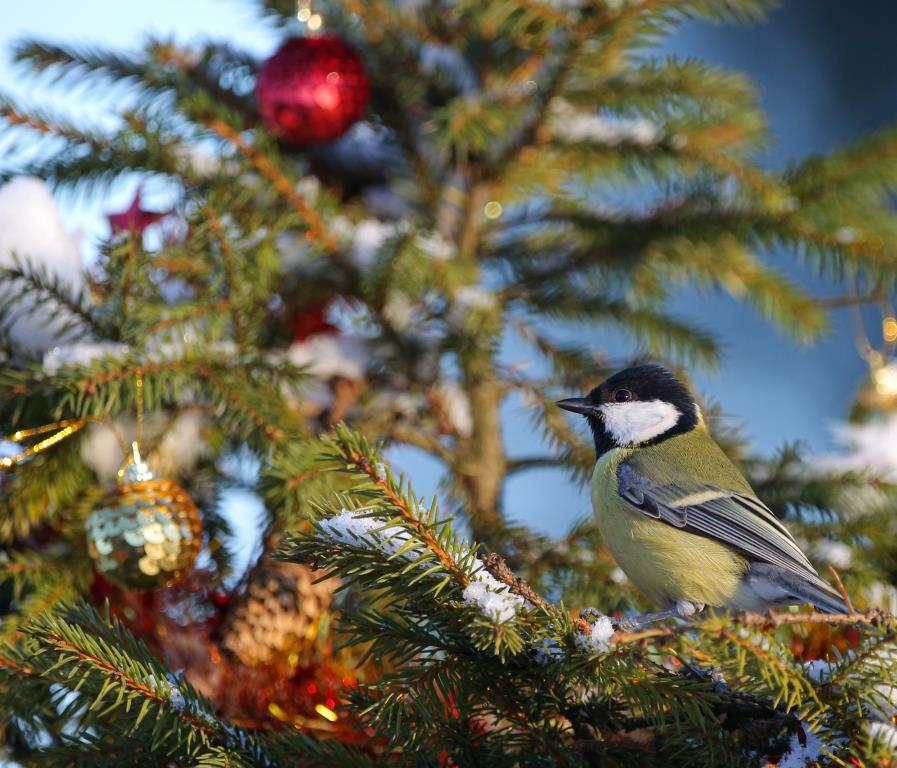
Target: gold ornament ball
[[145, 533]]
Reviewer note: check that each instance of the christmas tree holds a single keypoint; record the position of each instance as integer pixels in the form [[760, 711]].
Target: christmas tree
[[364, 224]]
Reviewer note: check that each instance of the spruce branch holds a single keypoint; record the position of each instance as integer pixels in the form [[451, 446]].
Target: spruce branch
[[524, 463], [228, 257], [355, 452], [874, 617], [278, 180], [40, 124], [185, 315], [420, 439], [60, 62], [851, 300], [498, 567], [119, 688], [36, 280], [265, 424], [555, 84]]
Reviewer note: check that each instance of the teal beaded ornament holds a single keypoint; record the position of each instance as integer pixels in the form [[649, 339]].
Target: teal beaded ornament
[[146, 532]]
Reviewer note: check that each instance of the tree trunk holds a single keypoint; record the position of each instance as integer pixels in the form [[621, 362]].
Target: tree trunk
[[483, 466]]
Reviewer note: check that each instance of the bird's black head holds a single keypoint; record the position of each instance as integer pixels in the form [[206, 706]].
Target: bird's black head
[[638, 406]]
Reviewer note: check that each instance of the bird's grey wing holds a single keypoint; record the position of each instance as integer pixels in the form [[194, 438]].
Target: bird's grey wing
[[737, 520]]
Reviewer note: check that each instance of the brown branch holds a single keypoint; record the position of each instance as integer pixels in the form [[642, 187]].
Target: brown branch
[[6, 661], [583, 32], [498, 567], [222, 305], [533, 462], [128, 279], [275, 433], [280, 182], [42, 126], [837, 577], [89, 382], [227, 255], [850, 300], [61, 644], [28, 121], [530, 132], [423, 530], [875, 617], [294, 482], [430, 444]]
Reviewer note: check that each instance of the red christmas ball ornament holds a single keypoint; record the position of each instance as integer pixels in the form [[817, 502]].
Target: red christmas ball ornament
[[313, 89], [311, 320]]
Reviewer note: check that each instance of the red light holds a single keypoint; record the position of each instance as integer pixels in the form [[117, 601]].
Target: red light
[[312, 689]]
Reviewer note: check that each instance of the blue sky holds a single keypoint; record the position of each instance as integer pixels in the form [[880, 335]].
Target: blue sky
[[780, 391]]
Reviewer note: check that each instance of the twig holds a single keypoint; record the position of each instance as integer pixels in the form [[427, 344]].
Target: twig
[[65, 647], [532, 462], [498, 567], [275, 433], [429, 443], [222, 305], [849, 300], [874, 617], [423, 530], [280, 182], [228, 257], [847, 601], [128, 278]]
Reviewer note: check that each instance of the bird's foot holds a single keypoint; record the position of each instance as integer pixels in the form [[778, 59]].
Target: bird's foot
[[686, 609], [634, 623], [628, 625]]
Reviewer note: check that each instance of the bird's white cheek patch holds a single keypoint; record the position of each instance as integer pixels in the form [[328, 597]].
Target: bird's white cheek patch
[[639, 421]]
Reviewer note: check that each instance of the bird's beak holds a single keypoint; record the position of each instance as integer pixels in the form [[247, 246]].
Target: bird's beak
[[576, 405]]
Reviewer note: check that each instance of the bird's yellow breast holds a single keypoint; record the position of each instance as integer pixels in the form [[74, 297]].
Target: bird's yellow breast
[[664, 562]]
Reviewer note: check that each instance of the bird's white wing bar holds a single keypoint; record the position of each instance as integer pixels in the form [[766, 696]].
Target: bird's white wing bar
[[739, 521]]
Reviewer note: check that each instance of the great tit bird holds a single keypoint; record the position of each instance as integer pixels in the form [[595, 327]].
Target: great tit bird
[[677, 515]]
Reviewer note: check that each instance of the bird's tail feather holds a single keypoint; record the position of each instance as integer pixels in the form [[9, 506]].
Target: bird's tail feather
[[825, 599], [778, 586]]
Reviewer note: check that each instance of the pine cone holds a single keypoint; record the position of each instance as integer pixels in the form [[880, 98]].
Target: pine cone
[[277, 618]]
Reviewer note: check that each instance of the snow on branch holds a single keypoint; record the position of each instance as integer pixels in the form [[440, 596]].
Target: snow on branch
[[410, 532], [571, 125]]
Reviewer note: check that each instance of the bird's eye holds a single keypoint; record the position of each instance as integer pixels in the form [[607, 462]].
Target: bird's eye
[[622, 396]]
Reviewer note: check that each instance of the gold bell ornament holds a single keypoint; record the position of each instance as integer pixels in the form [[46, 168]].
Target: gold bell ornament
[[146, 532]]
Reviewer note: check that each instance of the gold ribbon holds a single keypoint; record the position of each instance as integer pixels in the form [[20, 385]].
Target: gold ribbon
[[67, 427], [60, 429]]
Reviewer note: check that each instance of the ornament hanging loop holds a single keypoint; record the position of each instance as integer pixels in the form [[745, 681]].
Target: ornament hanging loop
[[138, 397], [133, 469]]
